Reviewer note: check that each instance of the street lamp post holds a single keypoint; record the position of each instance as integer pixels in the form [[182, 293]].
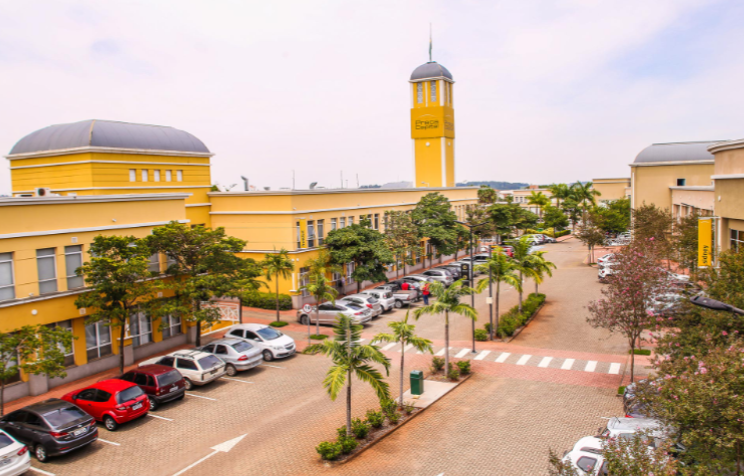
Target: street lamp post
[[470, 269], [709, 303]]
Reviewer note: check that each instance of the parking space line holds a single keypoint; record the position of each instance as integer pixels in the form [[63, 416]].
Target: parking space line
[[272, 366], [482, 355], [160, 417], [109, 442], [389, 346], [462, 353], [523, 360], [41, 471], [503, 357], [236, 379], [591, 366], [442, 351], [614, 369], [545, 362], [199, 396], [567, 364], [409, 347]]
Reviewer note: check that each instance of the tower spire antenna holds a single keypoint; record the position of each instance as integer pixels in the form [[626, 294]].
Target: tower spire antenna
[[430, 43]]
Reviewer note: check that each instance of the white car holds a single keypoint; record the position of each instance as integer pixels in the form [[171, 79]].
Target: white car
[[364, 300], [386, 298], [196, 367], [586, 455], [273, 344], [627, 427], [605, 271], [606, 259], [15, 458]]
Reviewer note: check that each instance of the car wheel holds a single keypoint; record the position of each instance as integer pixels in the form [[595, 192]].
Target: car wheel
[[110, 423], [153, 404], [41, 454], [187, 384], [231, 370], [305, 320], [398, 304], [268, 356]]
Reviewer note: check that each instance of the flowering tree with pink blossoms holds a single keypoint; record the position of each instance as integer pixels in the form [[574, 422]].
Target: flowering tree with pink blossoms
[[625, 307]]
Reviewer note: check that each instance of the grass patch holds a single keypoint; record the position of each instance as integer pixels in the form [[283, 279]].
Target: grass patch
[[278, 323], [621, 389], [318, 336], [641, 351]]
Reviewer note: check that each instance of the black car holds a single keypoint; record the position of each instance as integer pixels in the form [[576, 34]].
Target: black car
[[51, 428]]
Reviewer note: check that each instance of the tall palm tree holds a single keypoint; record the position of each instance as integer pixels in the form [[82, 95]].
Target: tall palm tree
[[403, 333], [560, 191], [320, 287], [448, 301], [277, 265], [499, 269], [349, 358], [538, 199], [540, 267], [584, 193], [522, 261]]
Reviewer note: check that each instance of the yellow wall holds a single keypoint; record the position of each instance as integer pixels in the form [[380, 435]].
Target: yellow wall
[[731, 204], [433, 132], [651, 183], [611, 189]]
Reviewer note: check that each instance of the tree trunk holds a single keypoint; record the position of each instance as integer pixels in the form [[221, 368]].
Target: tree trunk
[[632, 359], [317, 318], [402, 372], [498, 291], [2, 398], [198, 329], [446, 342], [521, 282], [277, 298], [240, 310], [348, 403], [121, 344]]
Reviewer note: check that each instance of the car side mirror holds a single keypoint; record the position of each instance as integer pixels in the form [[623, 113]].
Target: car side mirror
[[75, 397]]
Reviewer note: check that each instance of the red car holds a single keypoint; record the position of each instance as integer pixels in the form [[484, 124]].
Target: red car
[[160, 382], [111, 401]]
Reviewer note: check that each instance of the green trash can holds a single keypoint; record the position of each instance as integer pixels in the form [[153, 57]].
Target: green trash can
[[417, 382]]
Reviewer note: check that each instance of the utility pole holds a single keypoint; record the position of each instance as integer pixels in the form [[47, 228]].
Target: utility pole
[[470, 273]]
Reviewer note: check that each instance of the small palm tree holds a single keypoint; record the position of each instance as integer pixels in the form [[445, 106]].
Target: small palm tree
[[448, 301], [403, 334], [277, 265], [560, 191], [349, 358], [541, 267], [500, 269], [584, 194], [321, 289], [538, 199], [522, 261]]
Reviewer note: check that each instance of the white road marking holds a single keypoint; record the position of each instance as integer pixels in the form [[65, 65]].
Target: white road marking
[[158, 416], [614, 369], [462, 353], [41, 471], [503, 357], [389, 346], [199, 396], [545, 362], [441, 352], [236, 379], [409, 347], [523, 360], [567, 364], [272, 366], [591, 366], [482, 355], [222, 447], [361, 340], [109, 442]]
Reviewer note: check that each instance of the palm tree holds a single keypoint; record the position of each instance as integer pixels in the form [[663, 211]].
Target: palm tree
[[500, 269], [560, 191], [278, 265], [584, 193], [351, 357], [403, 334], [541, 267], [320, 287], [448, 301], [522, 261], [538, 199]]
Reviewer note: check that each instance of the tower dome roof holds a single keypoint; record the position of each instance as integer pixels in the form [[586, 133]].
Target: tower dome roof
[[430, 70]]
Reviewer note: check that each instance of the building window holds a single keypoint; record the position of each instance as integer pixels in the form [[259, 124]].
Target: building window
[[179, 175], [154, 266], [171, 326], [351, 221], [419, 92], [144, 175], [349, 270], [681, 182], [304, 281], [132, 175], [298, 236], [140, 328], [7, 287], [69, 352], [737, 240], [449, 93], [310, 234], [321, 225], [156, 175], [377, 222], [45, 262], [74, 260], [16, 377], [168, 175], [433, 91], [342, 222], [333, 224], [97, 340]]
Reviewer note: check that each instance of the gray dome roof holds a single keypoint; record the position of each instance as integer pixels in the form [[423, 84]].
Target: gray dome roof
[[676, 152], [109, 134], [431, 69]]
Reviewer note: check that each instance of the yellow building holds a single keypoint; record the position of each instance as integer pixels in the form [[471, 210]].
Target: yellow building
[[728, 194], [611, 188]]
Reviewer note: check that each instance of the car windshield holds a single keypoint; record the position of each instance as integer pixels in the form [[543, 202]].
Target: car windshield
[[169, 378], [269, 333], [64, 416], [209, 361], [242, 346], [5, 440], [129, 394], [352, 306]]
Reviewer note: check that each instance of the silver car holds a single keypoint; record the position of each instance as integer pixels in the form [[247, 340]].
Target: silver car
[[238, 354], [364, 300], [327, 313], [440, 275], [386, 298]]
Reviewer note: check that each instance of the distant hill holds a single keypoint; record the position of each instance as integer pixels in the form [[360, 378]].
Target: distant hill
[[496, 185]]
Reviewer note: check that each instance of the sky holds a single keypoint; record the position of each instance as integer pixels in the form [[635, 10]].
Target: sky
[[546, 91]]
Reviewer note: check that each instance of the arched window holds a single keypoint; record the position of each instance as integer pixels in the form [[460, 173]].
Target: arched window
[[433, 91], [419, 92]]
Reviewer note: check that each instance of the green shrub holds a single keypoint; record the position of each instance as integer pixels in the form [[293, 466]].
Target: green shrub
[[388, 406], [487, 327], [481, 335], [393, 418], [375, 419], [621, 389], [558, 234], [464, 366], [348, 443], [267, 301], [359, 428], [328, 450], [408, 407], [454, 373], [278, 323], [641, 351], [341, 432], [509, 323], [318, 336], [437, 364]]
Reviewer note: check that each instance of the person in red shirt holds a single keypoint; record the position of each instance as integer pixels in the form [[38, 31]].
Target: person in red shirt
[[426, 293], [404, 286]]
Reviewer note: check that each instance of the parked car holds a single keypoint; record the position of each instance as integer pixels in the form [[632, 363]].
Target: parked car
[[327, 313], [364, 300], [606, 259], [413, 285], [14, 456], [401, 297], [547, 239], [161, 384], [237, 354], [586, 455], [439, 275], [50, 428], [508, 249], [453, 269], [422, 279], [604, 272], [667, 304], [385, 297], [272, 342], [626, 427], [197, 367], [111, 401]]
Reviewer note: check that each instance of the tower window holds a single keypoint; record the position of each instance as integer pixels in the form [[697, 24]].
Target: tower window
[[144, 175], [419, 92], [156, 175], [168, 175], [132, 175], [681, 182], [433, 91], [179, 175]]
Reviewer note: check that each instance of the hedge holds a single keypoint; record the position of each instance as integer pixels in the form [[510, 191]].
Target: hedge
[[562, 233], [268, 301], [509, 322]]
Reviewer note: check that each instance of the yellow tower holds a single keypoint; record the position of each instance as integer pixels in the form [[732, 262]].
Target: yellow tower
[[433, 126]]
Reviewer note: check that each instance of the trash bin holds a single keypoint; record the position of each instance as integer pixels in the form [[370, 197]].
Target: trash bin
[[417, 382]]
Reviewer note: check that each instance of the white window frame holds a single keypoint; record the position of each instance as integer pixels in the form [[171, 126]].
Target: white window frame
[[376, 222], [433, 88], [311, 234], [132, 175], [101, 329], [154, 263], [71, 272], [69, 356], [304, 281], [145, 175], [333, 224], [172, 326], [168, 175], [342, 222], [53, 257], [139, 337], [179, 175], [156, 175], [8, 259], [419, 93], [349, 268], [320, 229]]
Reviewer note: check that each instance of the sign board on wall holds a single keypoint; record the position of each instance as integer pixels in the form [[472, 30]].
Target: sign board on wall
[[705, 242]]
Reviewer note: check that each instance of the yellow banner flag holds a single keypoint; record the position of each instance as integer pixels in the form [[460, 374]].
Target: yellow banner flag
[[705, 242], [303, 233]]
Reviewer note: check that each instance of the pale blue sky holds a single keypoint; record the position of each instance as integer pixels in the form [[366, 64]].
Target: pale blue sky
[[546, 91]]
